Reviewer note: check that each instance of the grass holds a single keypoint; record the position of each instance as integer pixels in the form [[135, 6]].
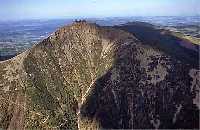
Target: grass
[[189, 38]]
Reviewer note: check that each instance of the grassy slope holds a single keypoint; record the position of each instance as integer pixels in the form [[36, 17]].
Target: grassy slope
[[190, 38]]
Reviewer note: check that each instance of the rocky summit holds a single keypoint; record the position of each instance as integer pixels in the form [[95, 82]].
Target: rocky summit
[[85, 76]]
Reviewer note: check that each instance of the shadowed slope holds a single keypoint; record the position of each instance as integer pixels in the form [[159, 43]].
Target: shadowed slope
[[177, 48]]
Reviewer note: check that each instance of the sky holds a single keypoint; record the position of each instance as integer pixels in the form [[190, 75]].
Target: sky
[[50, 9]]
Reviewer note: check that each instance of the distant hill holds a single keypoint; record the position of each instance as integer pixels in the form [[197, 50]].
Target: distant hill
[[85, 76]]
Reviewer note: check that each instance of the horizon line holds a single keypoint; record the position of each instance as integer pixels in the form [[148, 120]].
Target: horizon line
[[103, 17]]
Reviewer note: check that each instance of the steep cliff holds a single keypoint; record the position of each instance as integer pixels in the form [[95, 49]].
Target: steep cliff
[[88, 77]]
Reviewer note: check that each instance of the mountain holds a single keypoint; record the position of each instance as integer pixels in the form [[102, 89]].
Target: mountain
[[85, 76]]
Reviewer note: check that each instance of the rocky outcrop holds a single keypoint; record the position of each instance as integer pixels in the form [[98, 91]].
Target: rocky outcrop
[[89, 77]]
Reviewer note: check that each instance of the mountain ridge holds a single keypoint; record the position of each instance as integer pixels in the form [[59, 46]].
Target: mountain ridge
[[163, 40]]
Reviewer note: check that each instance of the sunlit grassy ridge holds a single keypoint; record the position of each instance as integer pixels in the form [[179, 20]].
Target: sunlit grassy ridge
[[192, 39]]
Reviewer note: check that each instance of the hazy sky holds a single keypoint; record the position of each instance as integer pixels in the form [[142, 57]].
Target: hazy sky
[[33, 9]]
